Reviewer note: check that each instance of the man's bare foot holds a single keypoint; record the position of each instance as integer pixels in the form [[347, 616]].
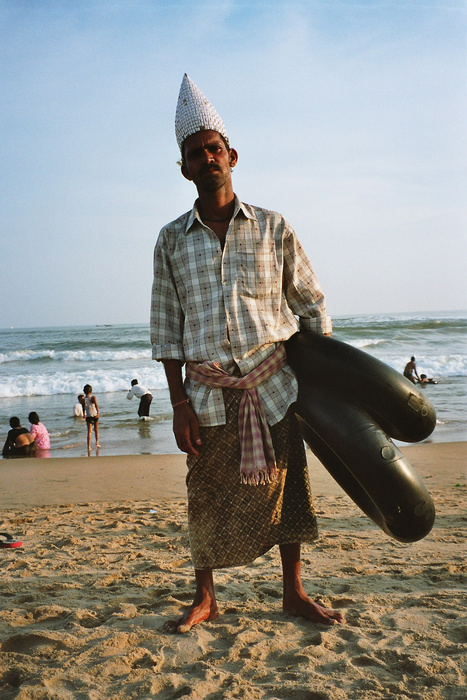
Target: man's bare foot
[[206, 610], [300, 604]]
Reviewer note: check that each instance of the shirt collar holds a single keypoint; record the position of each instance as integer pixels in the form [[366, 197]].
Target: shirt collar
[[239, 206]]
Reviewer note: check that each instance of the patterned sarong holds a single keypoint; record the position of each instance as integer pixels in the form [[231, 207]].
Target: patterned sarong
[[231, 524], [258, 462]]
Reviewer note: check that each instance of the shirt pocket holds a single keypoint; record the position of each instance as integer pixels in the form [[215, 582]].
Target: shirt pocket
[[259, 273]]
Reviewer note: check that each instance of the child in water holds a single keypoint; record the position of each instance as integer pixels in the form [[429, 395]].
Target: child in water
[[91, 414]]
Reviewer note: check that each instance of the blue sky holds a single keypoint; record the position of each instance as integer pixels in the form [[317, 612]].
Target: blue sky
[[349, 119]]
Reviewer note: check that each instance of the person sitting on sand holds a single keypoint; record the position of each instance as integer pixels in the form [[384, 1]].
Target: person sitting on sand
[[39, 432], [78, 410], [410, 369], [144, 396], [91, 414], [19, 442]]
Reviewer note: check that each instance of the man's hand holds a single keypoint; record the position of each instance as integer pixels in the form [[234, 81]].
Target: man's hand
[[186, 429], [185, 423]]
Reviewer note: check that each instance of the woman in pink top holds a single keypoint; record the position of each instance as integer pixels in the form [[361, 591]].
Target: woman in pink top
[[39, 432]]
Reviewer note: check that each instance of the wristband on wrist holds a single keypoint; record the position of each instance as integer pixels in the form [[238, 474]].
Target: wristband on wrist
[[180, 403]]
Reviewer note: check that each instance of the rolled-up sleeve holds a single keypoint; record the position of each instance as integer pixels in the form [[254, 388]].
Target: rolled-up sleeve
[[303, 291], [166, 318]]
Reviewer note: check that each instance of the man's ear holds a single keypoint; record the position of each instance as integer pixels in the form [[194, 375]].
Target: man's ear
[[233, 157], [185, 172]]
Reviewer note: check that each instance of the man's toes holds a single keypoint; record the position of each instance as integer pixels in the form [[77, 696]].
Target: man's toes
[[170, 626], [184, 627]]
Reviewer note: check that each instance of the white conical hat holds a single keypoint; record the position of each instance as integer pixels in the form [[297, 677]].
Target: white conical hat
[[195, 113]]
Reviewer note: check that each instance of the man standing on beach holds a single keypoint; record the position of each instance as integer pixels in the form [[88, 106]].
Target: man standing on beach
[[230, 281]]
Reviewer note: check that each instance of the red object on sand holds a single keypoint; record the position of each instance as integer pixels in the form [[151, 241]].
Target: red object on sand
[[8, 542]]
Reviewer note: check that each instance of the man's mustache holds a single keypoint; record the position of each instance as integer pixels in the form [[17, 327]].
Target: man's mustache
[[211, 167]]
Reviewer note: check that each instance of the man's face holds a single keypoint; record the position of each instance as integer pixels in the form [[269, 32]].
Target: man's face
[[207, 160]]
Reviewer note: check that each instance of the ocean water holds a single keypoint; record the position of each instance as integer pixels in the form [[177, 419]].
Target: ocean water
[[44, 369]]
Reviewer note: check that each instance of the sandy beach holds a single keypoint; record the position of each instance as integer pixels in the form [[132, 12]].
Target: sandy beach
[[105, 561]]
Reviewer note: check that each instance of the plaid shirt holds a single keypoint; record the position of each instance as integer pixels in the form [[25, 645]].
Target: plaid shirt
[[235, 305]]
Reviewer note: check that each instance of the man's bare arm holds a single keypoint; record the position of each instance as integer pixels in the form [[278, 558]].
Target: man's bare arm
[[185, 422]]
